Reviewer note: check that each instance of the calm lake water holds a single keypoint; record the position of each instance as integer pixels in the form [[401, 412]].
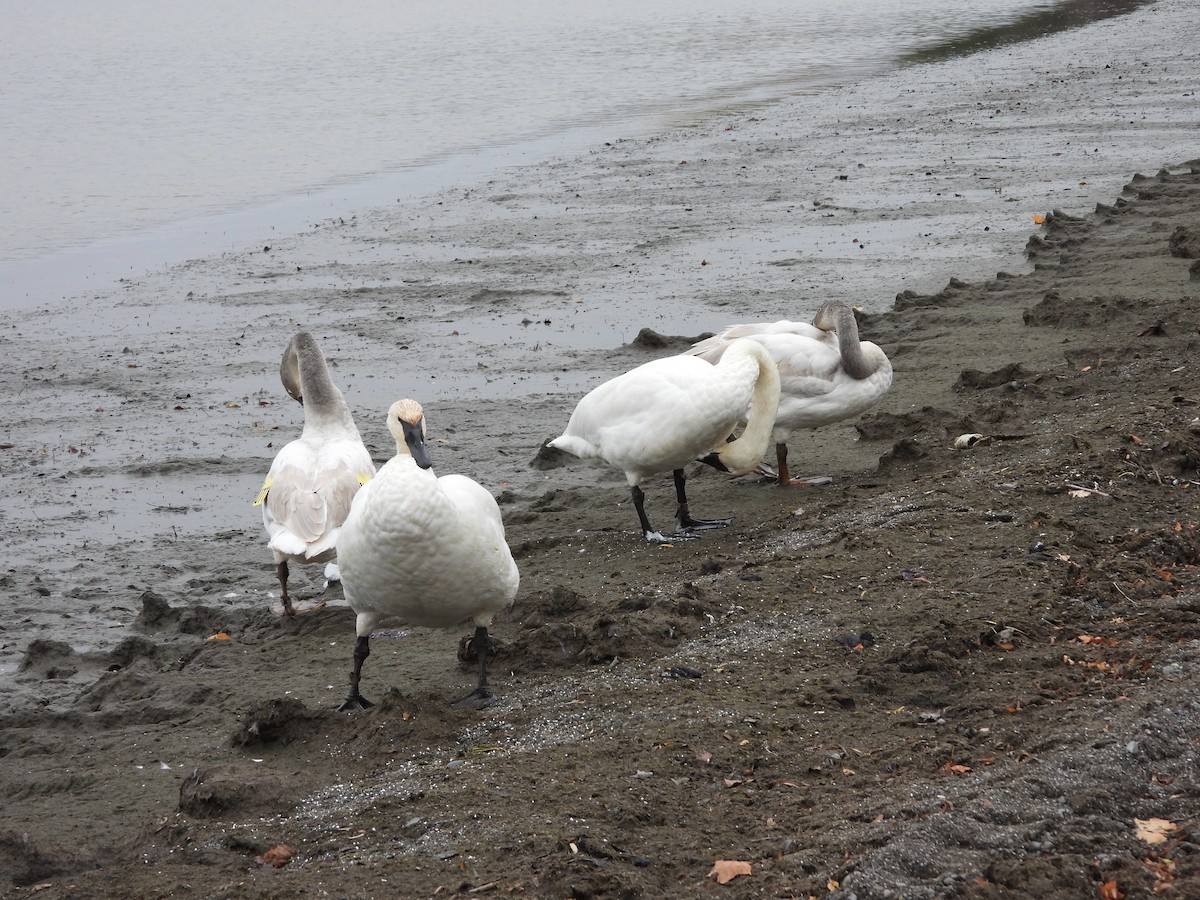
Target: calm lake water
[[139, 133]]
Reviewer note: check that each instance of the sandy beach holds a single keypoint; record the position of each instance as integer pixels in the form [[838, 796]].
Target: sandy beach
[[948, 673]]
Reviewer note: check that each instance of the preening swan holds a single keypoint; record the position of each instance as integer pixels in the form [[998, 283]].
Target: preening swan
[[312, 480], [669, 412], [423, 550], [826, 373]]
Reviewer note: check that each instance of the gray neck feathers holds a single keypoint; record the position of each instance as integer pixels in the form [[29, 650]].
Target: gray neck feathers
[[840, 318], [306, 377]]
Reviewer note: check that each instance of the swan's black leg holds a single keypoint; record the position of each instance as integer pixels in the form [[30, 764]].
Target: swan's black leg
[[481, 696], [681, 511], [639, 504], [354, 700]]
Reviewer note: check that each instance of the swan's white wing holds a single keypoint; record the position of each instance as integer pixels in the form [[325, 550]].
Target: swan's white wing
[[308, 493], [815, 389], [712, 348], [656, 417]]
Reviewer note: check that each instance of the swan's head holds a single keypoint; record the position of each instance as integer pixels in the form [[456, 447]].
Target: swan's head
[[406, 422], [302, 346]]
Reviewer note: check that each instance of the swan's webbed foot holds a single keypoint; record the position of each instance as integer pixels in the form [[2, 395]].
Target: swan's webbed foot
[[355, 702], [480, 698], [657, 537], [783, 479], [289, 609], [693, 524], [808, 481]]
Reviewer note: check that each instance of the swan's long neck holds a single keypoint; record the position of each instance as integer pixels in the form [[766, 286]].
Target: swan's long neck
[[840, 318], [742, 455], [305, 372]]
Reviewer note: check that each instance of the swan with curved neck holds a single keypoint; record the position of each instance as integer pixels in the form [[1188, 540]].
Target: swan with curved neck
[[827, 373], [669, 412], [313, 479], [423, 550]]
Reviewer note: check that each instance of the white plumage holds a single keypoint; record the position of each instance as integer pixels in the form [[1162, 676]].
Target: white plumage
[[669, 412], [313, 479], [826, 373], [424, 551]]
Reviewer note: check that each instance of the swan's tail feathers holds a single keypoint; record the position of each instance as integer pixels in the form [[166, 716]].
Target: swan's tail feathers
[[288, 544], [324, 545]]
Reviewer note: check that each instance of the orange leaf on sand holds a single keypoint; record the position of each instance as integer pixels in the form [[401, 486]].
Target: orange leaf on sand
[[725, 870], [1039, 219], [1154, 831], [219, 636], [1110, 891], [278, 856]]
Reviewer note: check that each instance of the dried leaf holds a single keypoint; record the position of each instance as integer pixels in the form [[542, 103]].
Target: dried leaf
[[1110, 891], [1039, 219], [956, 768], [1164, 873], [725, 870], [278, 856], [219, 636], [1154, 831], [1080, 493]]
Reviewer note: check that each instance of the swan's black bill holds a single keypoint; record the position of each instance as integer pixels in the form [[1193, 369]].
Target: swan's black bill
[[416, 444]]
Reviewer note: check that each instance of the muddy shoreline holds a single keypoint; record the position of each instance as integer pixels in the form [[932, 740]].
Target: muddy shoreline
[[949, 673]]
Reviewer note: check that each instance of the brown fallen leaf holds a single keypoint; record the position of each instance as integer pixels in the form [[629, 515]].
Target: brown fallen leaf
[[1164, 873], [1110, 891], [725, 870], [219, 636], [278, 856], [1154, 831], [956, 768]]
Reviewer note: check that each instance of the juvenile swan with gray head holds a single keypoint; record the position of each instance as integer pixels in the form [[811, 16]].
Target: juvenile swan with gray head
[[424, 551], [826, 373], [669, 412], [313, 479]]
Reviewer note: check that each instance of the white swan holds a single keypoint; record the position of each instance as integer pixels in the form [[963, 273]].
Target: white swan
[[424, 550], [313, 479], [669, 412], [826, 373]]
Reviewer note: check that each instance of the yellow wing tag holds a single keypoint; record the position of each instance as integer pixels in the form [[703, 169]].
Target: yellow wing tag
[[262, 495], [363, 478]]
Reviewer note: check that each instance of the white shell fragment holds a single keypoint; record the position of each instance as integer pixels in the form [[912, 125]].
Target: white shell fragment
[[967, 441]]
